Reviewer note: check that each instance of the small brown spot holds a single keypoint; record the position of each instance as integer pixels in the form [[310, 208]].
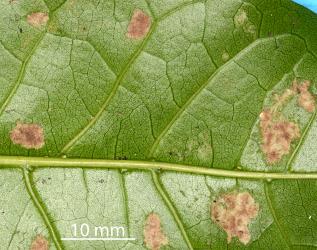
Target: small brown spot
[[241, 18], [306, 100], [39, 243], [37, 19], [29, 136], [139, 25], [154, 238], [225, 56], [233, 213]]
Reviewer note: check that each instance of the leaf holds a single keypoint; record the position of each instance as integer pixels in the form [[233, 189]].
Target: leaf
[[157, 118]]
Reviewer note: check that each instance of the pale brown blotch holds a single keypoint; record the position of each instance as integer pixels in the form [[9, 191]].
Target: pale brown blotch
[[277, 132], [29, 136], [37, 19], [305, 100], [240, 18], [233, 212], [39, 243], [154, 237], [139, 25], [277, 136]]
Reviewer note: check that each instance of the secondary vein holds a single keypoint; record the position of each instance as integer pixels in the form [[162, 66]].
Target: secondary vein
[[21, 75], [117, 83], [42, 212], [171, 208]]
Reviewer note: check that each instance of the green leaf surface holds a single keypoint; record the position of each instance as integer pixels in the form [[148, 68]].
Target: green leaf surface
[[163, 124]]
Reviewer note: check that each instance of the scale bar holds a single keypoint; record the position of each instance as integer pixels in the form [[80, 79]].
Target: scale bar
[[102, 239]]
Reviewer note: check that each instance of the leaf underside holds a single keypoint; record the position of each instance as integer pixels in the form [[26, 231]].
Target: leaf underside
[[189, 92]]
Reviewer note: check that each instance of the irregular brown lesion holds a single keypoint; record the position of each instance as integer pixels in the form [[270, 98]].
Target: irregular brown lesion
[[305, 100], [233, 212], [278, 132], [37, 19], [277, 136], [154, 238], [39, 243], [28, 135], [139, 25]]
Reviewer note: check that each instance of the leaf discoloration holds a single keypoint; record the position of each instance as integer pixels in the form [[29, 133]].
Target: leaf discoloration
[[39, 243], [154, 238], [225, 56], [305, 100], [139, 25], [29, 136], [277, 136], [38, 19], [233, 212], [241, 18], [277, 132], [204, 152]]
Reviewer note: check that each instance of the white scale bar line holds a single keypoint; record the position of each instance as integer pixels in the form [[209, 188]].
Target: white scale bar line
[[81, 239]]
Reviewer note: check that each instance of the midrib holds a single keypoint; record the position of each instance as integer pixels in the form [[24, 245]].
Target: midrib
[[45, 162]]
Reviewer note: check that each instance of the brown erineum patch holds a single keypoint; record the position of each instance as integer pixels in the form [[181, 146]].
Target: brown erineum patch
[[37, 19], [277, 136], [154, 238], [233, 212], [277, 132], [305, 100], [39, 243], [29, 136], [139, 25]]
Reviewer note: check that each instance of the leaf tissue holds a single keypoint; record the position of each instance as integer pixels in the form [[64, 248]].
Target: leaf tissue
[[158, 124]]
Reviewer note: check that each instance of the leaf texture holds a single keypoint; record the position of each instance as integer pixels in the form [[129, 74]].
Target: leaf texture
[[164, 123]]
